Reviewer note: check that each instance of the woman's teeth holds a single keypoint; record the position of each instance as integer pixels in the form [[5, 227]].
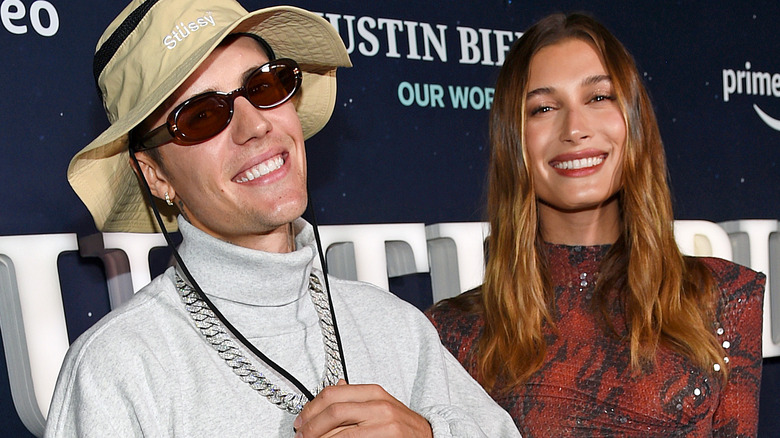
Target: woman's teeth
[[579, 164]]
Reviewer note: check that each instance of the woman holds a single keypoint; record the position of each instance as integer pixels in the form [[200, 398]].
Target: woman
[[590, 321]]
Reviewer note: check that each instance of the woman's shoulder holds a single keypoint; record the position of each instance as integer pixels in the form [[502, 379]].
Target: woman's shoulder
[[458, 317], [736, 283], [740, 306], [460, 323], [464, 309]]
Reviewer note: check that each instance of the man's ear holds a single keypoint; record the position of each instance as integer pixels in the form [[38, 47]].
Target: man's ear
[[154, 175]]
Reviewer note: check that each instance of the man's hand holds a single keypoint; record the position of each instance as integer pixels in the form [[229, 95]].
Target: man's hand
[[351, 411]]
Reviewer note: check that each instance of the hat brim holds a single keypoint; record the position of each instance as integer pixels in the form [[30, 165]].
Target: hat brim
[[101, 173]]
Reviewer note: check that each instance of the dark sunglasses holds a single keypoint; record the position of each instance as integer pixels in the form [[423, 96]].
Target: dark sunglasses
[[203, 116]]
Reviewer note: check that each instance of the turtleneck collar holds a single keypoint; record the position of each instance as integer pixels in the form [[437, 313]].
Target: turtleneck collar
[[244, 275]]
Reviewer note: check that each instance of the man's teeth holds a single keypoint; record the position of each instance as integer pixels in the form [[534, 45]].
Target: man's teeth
[[261, 169], [579, 164]]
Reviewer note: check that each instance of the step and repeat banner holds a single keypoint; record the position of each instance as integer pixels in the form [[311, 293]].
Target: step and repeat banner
[[408, 138]]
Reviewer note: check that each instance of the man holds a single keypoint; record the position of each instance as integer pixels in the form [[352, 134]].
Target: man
[[240, 337]]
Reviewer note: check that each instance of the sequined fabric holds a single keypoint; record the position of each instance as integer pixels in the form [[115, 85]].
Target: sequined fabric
[[585, 386]]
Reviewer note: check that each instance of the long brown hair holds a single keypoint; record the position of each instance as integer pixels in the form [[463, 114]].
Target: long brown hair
[[668, 298]]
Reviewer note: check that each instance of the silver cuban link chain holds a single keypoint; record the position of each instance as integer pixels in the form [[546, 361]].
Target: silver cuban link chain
[[226, 346]]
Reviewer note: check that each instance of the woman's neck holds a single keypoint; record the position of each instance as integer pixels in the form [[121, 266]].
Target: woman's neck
[[595, 226]]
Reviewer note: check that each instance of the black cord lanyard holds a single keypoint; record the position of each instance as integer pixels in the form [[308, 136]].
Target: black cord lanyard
[[234, 331]]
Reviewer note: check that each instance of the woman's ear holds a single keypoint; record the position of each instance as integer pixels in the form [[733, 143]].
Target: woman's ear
[[155, 176]]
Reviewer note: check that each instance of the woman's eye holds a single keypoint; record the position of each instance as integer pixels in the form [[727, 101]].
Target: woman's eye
[[541, 109], [601, 97]]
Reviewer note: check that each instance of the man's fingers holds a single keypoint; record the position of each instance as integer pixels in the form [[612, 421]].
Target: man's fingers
[[336, 433], [342, 393], [346, 411], [330, 420], [341, 415]]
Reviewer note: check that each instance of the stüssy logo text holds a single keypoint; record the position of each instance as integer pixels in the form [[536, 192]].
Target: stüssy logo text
[[183, 30]]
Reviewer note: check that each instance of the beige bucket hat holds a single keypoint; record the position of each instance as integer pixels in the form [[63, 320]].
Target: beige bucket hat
[[149, 50]]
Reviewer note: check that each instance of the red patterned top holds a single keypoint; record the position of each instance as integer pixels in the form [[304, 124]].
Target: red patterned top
[[585, 386]]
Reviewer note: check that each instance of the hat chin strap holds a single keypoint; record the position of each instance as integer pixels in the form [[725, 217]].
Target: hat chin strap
[[324, 264], [237, 334]]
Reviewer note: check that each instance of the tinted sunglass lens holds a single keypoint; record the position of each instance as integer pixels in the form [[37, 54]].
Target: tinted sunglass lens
[[203, 118], [267, 89]]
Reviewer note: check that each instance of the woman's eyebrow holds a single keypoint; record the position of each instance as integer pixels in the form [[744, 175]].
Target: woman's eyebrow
[[595, 79], [589, 80], [539, 92]]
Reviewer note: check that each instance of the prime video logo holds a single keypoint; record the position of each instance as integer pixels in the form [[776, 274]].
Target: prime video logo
[[752, 83]]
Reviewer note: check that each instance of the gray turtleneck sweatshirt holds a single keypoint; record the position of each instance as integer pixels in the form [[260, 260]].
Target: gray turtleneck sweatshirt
[[146, 370]]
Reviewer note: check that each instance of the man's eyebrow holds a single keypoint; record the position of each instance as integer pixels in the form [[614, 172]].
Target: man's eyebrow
[[249, 71], [244, 76]]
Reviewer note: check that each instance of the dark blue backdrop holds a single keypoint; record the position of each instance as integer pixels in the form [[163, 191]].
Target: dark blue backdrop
[[381, 161]]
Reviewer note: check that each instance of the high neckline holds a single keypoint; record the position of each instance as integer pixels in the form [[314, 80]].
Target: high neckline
[[575, 264], [578, 248], [244, 275]]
